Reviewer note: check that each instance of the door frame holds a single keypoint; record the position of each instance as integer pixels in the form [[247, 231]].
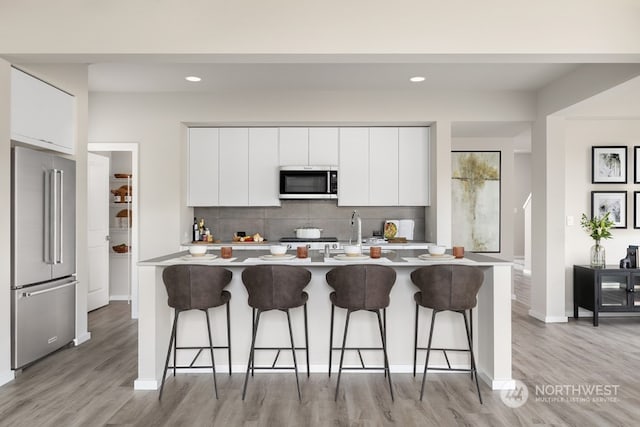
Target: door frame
[[133, 148]]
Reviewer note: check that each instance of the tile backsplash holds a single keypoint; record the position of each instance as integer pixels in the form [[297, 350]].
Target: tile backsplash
[[276, 222]]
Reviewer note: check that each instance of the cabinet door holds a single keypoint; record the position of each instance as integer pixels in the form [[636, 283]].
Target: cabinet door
[[41, 114], [202, 170], [323, 146], [613, 287], [413, 170], [294, 146], [383, 166], [263, 167], [234, 167], [353, 172]]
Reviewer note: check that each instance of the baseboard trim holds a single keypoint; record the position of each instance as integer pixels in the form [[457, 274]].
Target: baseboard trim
[[119, 298], [7, 377], [147, 384], [548, 319], [82, 338]]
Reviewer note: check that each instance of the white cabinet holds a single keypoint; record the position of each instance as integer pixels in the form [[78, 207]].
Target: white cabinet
[[202, 172], [323, 146], [294, 146], [317, 146], [233, 167], [413, 161], [353, 169], [41, 114], [263, 167], [383, 166]]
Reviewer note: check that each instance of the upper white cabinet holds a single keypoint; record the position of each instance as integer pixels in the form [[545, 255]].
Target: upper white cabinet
[[384, 166], [233, 167], [353, 170], [263, 167], [317, 146], [323, 146], [202, 173], [413, 164], [41, 114]]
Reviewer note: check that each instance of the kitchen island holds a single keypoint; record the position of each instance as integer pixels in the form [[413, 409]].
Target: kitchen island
[[491, 319]]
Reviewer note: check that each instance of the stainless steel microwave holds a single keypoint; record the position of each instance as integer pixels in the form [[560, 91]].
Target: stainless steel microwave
[[309, 182]]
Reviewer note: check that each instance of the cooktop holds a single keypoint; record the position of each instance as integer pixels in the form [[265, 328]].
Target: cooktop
[[319, 239]]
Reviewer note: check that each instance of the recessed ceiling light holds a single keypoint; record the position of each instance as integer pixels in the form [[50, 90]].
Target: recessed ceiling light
[[192, 79], [417, 79]]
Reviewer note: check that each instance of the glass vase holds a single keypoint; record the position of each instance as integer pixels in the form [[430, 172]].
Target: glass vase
[[598, 255]]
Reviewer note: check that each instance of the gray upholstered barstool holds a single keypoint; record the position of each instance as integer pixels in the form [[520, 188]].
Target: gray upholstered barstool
[[360, 287], [446, 288], [276, 287], [196, 287]]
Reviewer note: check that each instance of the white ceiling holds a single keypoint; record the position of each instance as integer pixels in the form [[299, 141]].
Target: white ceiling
[[169, 77]]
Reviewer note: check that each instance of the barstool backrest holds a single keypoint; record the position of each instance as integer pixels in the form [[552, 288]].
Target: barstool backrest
[[197, 287], [362, 286], [448, 287], [276, 287]]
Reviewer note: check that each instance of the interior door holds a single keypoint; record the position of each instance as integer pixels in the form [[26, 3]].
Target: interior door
[[98, 230]]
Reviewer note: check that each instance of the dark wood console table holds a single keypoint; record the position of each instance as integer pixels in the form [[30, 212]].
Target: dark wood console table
[[609, 289]]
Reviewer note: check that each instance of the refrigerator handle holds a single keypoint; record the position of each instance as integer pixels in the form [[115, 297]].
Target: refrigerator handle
[[60, 247], [49, 241]]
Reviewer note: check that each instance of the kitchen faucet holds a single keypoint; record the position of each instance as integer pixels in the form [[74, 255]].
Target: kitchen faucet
[[356, 221]]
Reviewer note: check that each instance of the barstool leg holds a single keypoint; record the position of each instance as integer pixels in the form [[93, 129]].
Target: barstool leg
[[383, 334], [333, 308], [175, 346], [473, 361], [344, 342], [293, 352], [471, 330], [384, 323], [229, 335], [415, 343], [253, 322], [426, 363], [213, 362], [254, 332], [306, 337], [166, 363]]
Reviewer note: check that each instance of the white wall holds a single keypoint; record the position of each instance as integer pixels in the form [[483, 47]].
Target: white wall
[[581, 135], [327, 27], [507, 184], [521, 190], [155, 121]]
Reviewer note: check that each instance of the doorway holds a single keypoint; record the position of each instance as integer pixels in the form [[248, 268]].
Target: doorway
[[122, 214]]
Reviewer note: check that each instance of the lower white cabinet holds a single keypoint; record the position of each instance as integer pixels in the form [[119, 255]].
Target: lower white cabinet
[[41, 114]]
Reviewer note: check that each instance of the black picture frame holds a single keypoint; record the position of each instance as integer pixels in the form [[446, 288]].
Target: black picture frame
[[636, 209], [609, 164], [636, 167], [614, 202]]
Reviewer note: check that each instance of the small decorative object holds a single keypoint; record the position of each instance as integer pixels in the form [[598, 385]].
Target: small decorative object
[[612, 202], [609, 164], [598, 229]]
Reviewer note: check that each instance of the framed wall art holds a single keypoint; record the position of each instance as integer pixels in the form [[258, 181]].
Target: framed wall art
[[636, 167], [608, 164], [636, 209], [475, 194], [614, 202]]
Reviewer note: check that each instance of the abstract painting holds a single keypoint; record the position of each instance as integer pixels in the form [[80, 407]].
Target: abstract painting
[[608, 164], [475, 189]]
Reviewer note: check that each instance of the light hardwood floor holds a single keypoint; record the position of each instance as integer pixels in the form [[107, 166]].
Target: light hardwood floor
[[92, 385]]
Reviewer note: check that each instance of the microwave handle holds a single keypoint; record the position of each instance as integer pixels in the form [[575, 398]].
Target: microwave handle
[[328, 182]]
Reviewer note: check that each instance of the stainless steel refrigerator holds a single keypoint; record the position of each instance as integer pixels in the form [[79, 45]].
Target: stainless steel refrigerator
[[43, 264]]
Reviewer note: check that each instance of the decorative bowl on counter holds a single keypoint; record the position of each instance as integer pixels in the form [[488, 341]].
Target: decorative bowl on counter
[[436, 250], [352, 250], [278, 249], [197, 250]]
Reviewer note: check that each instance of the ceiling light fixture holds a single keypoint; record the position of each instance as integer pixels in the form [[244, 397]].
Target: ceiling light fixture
[[416, 79], [192, 79]]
